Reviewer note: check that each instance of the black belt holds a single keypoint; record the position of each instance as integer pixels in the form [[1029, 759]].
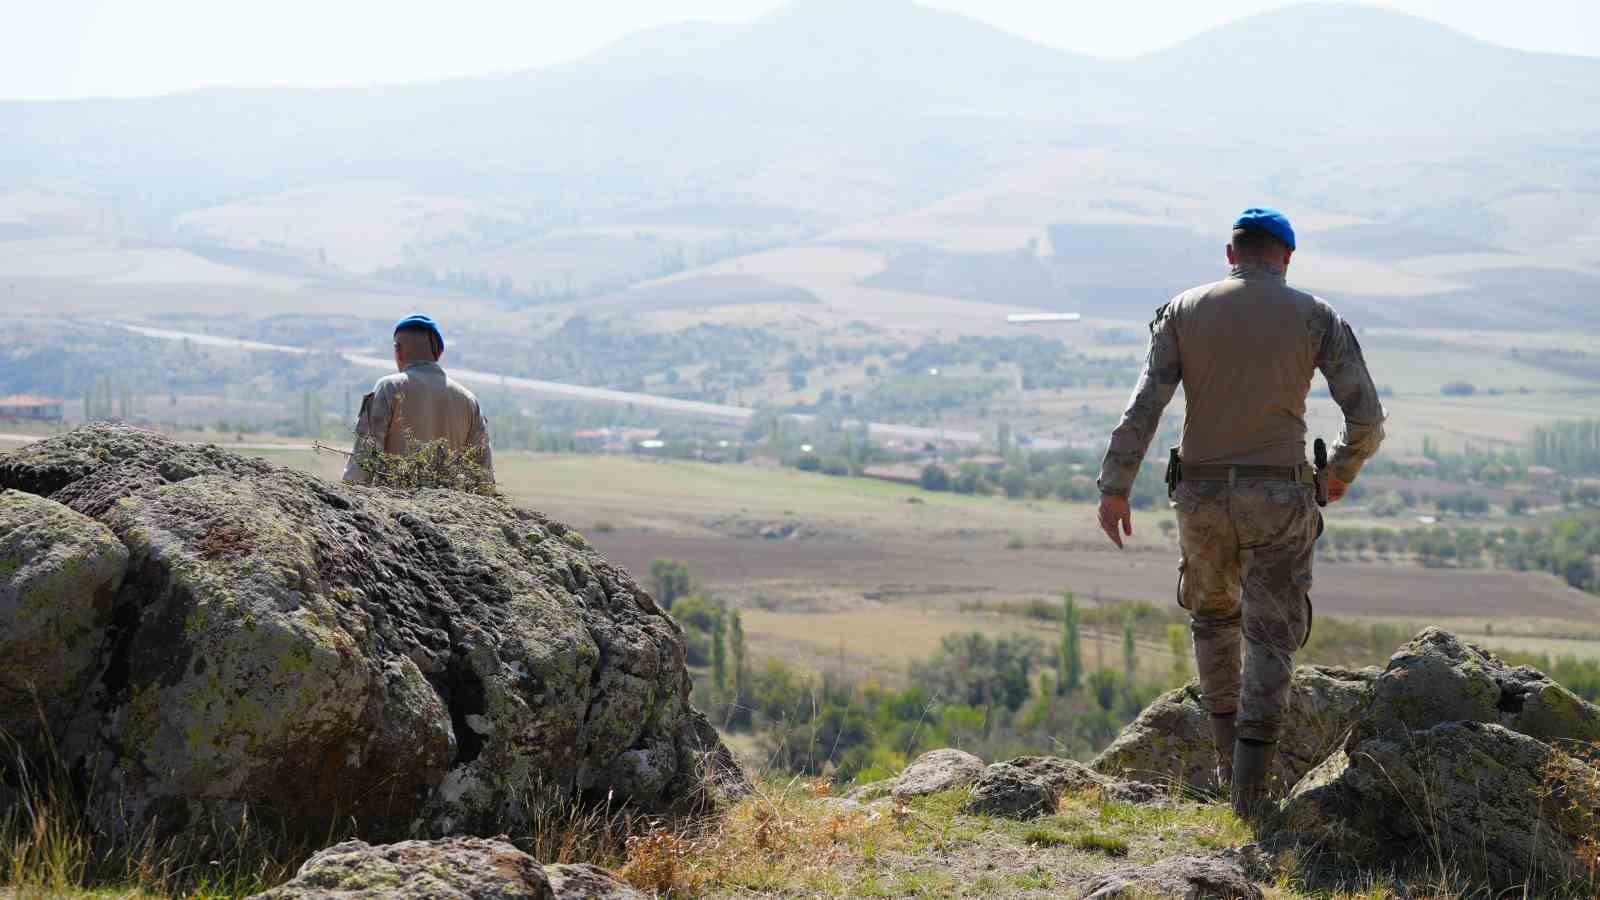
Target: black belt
[[1301, 474]]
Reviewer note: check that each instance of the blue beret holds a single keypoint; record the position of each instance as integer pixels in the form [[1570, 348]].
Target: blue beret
[[418, 320], [1265, 218]]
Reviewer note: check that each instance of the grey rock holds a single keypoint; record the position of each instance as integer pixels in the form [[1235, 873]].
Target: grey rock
[[59, 573], [1170, 743], [840, 805], [937, 770], [586, 882], [413, 663], [1481, 794], [465, 868], [1060, 774], [1437, 678], [872, 790], [1014, 793], [1222, 876]]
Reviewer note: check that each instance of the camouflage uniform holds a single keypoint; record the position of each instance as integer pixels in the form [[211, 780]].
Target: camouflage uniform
[[1244, 350]]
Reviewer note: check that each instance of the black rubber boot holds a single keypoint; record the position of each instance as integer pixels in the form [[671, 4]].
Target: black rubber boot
[[1224, 732], [1252, 760]]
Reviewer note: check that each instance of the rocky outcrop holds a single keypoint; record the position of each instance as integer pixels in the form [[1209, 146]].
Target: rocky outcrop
[[1465, 755], [59, 573], [1222, 876], [464, 868], [1063, 775], [935, 771], [1437, 677], [1170, 742], [417, 664], [1011, 792]]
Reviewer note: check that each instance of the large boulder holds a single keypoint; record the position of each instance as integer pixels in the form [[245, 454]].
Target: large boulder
[[1437, 677], [1464, 753], [417, 664], [1170, 742], [1502, 805], [937, 770], [59, 573]]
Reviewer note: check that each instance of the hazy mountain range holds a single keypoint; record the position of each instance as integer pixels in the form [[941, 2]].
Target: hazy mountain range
[[889, 125]]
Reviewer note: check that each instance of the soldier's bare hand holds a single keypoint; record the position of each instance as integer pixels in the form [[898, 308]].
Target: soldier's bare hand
[[1116, 519], [1336, 488]]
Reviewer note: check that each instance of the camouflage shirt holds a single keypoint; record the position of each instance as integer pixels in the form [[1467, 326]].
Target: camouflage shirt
[[1245, 349]]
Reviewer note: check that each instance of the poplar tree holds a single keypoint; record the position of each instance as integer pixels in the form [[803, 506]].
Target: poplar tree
[[1130, 659], [1071, 660], [719, 654]]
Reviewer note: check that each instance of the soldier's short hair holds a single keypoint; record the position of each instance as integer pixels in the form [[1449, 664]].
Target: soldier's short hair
[[416, 339], [1256, 242]]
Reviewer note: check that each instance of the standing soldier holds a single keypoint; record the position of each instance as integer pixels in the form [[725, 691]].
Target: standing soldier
[[419, 405], [1244, 350]]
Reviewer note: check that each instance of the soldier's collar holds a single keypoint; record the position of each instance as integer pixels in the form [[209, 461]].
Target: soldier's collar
[[1257, 272], [421, 363]]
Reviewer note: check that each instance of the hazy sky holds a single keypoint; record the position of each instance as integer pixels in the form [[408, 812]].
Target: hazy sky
[[78, 48]]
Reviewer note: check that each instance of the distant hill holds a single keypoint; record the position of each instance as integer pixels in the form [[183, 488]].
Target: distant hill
[[861, 119]]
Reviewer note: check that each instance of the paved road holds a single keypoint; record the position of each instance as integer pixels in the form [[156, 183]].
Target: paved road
[[718, 411]]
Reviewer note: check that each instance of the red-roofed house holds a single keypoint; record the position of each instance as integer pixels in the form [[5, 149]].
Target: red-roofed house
[[30, 407]]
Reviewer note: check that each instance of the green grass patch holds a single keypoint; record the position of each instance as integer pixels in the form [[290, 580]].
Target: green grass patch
[[1101, 842], [1045, 836]]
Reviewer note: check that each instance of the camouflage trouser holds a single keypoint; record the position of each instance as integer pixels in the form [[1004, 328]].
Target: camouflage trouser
[[1246, 562]]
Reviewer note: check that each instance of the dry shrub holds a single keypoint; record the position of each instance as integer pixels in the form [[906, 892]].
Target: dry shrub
[[661, 862], [49, 845], [775, 834], [1577, 789], [431, 465], [567, 830]]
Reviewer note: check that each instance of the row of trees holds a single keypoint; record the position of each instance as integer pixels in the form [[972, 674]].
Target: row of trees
[[1570, 447], [1567, 548]]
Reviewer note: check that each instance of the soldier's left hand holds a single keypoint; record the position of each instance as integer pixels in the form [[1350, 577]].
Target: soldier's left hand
[[1336, 488], [1116, 519]]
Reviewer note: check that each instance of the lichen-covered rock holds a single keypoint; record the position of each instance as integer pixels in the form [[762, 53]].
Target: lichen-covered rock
[[418, 664], [1492, 801], [1170, 742], [937, 770], [1437, 677], [59, 573], [1060, 774], [1221, 876], [465, 868], [1013, 793], [586, 882]]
